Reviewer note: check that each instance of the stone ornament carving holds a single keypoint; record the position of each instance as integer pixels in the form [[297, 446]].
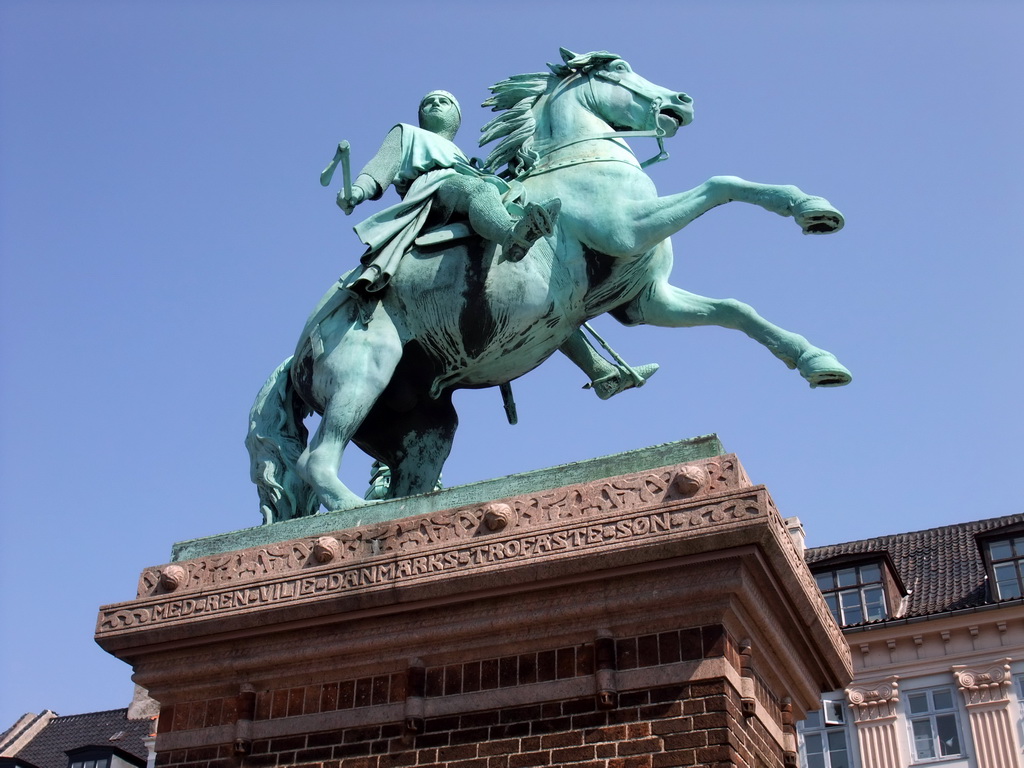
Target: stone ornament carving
[[874, 701], [691, 481], [172, 577], [803, 574], [326, 549], [984, 685], [498, 516]]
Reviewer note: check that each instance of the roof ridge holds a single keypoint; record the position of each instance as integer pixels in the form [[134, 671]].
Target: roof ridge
[[66, 718], [968, 525]]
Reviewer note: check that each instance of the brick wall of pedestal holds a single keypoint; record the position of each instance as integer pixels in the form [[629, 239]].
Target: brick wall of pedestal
[[679, 724], [697, 724]]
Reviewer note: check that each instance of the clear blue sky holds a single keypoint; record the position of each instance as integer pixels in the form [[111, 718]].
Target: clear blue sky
[[163, 236]]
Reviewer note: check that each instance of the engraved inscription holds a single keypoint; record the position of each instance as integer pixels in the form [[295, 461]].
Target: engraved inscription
[[406, 536], [468, 554]]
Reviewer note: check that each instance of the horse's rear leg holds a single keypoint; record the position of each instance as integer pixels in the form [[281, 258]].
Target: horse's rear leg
[[426, 445], [350, 377], [413, 439], [668, 306]]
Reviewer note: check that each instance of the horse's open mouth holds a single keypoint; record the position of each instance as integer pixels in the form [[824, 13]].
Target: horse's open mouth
[[671, 120]]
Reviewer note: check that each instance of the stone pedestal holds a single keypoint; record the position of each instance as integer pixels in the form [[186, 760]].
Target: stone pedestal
[[658, 617]]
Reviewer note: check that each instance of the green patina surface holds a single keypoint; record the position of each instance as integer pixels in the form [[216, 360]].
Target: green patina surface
[[489, 288], [589, 470]]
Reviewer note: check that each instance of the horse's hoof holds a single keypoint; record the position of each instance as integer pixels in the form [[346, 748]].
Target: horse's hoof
[[816, 216], [821, 369], [608, 386]]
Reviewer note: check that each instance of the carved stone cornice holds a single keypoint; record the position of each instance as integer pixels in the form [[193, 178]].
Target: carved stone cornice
[[984, 684], [683, 484], [874, 701]]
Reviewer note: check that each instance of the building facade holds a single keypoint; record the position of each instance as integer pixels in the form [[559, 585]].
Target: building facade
[[935, 624]]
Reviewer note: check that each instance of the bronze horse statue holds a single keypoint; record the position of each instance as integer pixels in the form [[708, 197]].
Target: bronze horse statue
[[381, 371]]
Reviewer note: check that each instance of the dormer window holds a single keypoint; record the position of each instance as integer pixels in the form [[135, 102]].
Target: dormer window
[[94, 757], [1006, 557], [855, 594]]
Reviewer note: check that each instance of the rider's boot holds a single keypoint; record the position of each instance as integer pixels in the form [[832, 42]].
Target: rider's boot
[[538, 221], [621, 379]]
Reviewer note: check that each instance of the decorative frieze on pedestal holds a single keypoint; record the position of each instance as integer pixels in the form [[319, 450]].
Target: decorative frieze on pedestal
[[654, 618], [986, 690]]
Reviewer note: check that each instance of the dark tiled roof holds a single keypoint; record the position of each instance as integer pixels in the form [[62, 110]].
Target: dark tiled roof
[[49, 748], [942, 567]]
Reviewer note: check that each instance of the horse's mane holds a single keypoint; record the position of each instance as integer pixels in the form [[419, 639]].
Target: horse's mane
[[515, 98]]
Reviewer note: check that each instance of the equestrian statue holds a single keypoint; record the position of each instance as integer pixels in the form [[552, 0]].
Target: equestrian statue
[[482, 272]]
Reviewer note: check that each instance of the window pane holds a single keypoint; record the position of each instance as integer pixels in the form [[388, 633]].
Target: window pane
[[1006, 571], [870, 573], [1008, 589], [814, 750], [90, 764], [1000, 550], [837, 749], [813, 744], [824, 581], [813, 719], [101, 763], [918, 702], [833, 712], [1018, 546], [923, 739], [949, 740], [847, 577], [852, 612], [833, 605], [1007, 583], [943, 698], [874, 603]]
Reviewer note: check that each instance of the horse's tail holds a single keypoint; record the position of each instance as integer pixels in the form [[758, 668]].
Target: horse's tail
[[277, 437]]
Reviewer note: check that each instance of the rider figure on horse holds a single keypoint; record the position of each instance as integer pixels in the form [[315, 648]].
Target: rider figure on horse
[[436, 180]]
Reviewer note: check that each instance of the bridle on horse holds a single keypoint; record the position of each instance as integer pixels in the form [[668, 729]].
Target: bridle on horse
[[655, 132]]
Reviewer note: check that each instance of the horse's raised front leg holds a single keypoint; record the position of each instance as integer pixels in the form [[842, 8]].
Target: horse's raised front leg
[[635, 227], [349, 376], [814, 215], [665, 305]]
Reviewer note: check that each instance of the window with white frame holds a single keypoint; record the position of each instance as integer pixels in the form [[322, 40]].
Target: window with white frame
[[823, 742], [854, 594], [934, 724], [1007, 559]]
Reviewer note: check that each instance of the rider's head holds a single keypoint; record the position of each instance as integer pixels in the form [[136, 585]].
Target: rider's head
[[440, 113]]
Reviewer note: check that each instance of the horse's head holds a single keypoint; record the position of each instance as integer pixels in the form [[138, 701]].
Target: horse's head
[[621, 97], [582, 97]]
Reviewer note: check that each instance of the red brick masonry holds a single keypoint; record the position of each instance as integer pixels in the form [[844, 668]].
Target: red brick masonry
[[675, 725]]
